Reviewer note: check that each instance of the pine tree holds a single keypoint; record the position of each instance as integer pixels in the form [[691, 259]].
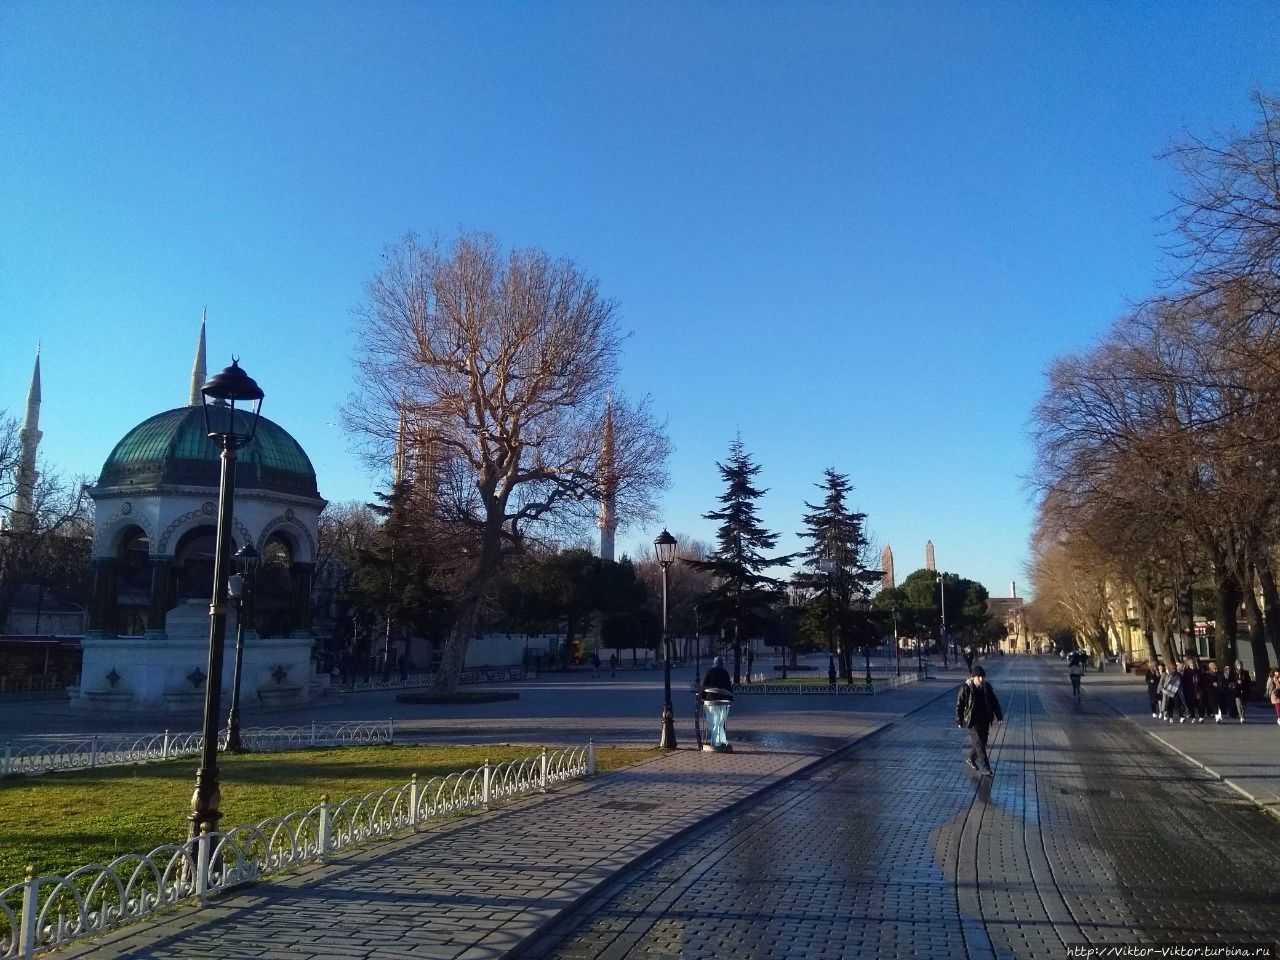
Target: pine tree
[[741, 593], [836, 570]]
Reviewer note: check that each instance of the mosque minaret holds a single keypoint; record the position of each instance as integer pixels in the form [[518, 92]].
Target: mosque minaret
[[608, 479], [198, 377], [24, 504]]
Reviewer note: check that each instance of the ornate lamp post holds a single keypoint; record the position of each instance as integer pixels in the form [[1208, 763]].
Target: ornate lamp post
[[664, 548], [240, 587], [230, 428]]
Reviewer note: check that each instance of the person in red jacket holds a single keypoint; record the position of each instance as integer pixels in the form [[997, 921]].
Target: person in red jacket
[[977, 707]]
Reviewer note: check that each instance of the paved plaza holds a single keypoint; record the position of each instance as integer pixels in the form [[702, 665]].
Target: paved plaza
[[840, 827]]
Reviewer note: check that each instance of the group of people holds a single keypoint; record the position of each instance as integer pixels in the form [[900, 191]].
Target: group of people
[[1193, 691]]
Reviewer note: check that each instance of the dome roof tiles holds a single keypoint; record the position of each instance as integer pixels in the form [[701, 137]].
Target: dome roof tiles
[[172, 448]]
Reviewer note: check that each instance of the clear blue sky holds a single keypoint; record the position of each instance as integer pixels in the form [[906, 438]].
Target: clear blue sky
[[856, 233]]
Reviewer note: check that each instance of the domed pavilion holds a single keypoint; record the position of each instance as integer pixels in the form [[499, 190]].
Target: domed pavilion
[[154, 538]]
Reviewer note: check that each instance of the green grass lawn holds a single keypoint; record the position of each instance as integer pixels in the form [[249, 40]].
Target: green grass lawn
[[61, 821]]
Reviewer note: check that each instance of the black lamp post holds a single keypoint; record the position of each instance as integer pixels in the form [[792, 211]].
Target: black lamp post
[[241, 589], [664, 548], [942, 601], [230, 428]]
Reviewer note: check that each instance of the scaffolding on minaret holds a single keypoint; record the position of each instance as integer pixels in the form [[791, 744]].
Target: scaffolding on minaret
[[24, 500], [607, 476], [416, 461]]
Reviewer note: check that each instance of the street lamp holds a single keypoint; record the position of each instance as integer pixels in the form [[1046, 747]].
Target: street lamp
[[240, 586], [942, 600], [828, 566], [230, 428], [664, 548]]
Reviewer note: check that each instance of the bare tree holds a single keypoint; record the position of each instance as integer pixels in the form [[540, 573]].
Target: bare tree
[[1228, 213], [503, 364]]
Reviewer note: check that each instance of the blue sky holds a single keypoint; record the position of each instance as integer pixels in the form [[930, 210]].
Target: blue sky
[[856, 233]]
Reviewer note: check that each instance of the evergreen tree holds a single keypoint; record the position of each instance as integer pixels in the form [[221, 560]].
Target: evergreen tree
[[741, 593], [836, 572]]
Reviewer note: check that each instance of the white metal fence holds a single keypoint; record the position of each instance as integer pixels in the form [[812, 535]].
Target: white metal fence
[[47, 912], [43, 754]]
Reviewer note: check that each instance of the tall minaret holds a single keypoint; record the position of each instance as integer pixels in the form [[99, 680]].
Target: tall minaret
[[886, 565], [198, 377], [608, 479], [24, 501], [928, 557]]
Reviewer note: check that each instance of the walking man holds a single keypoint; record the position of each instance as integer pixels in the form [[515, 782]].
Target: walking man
[[976, 708]]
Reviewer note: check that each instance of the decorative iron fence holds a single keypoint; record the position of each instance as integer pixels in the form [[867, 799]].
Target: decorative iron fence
[[415, 680], [43, 754], [858, 687], [48, 912]]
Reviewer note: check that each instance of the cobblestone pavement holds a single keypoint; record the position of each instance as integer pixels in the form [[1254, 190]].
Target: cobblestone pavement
[[894, 850], [482, 886]]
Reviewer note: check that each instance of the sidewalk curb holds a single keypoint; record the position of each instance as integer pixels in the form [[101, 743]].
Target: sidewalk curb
[[1271, 808], [568, 912]]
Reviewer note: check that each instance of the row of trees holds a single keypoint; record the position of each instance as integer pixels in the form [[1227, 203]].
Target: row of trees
[[397, 576], [1158, 450], [47, 548]]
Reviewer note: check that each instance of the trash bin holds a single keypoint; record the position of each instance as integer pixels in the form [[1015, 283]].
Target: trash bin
[[715, 708]]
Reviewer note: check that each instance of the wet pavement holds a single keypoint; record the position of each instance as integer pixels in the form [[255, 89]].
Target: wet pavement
[[839, 828], [893, 849]]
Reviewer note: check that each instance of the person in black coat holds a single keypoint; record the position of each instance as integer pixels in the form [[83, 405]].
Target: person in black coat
[[718, 677], [977, 707], [1152, 676]]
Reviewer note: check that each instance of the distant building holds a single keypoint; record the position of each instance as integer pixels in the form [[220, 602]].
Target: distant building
[[1011, 612]]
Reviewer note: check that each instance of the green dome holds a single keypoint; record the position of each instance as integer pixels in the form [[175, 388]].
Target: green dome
[[172, 449]]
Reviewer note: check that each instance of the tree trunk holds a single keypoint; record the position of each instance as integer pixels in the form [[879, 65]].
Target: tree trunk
[[1224, 633], [1257, 630], [1271, 616]]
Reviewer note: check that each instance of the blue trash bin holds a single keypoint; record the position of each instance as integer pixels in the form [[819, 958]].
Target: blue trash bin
[[716, 702]]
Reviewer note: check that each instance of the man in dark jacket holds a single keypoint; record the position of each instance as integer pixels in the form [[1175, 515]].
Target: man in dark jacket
[[976, 709]]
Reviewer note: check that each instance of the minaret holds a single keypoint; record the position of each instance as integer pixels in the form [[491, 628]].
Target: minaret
[[608, 479], [24, 501], [886, 565], [400, 461], [928, 557], [198, 377]]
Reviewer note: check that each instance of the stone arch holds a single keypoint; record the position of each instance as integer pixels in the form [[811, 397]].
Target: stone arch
[[303, 544], [109, 534], [203, 515]]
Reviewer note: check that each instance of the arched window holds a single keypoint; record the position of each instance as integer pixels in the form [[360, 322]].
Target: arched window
[[133, 585], [274, 597], [193, 564]]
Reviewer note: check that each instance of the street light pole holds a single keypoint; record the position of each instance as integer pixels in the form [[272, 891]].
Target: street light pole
[[230, 429], [664, 547], [241, 589], [942, 600]]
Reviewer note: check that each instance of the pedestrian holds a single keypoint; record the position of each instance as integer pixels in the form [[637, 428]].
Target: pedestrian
[[1246, 688], [831, 670], [613, 664], [1171, 687], [968, 658], [976, 708], [1231, 692], [716, 696], [1077, 671], [595, 664], [1191, 690], [403, 663], [1211, 687], [1152, 676], [1273, 691]]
